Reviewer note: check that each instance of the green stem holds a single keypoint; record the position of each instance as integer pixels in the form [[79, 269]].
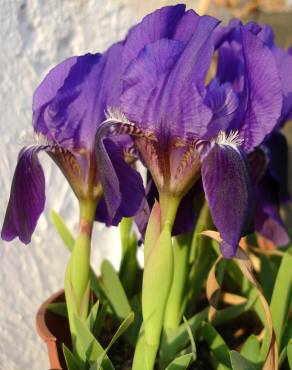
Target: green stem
[[158, 262], [168, 205], [77, 277], [174, 309]]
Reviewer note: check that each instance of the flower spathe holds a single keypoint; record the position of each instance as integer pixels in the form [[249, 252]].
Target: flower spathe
[[68, 106], [184, 129]]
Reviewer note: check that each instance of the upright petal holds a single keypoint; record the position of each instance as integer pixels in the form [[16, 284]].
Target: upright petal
[[248, 64], [263, 89], [169, 22], [228, 191], [69, 104], [164, 71], [27, 197]]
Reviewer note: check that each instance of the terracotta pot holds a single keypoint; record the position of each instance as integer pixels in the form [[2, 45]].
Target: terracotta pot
[[54, 330]]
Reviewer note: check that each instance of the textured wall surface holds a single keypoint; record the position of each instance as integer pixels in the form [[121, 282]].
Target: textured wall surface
[[34, 36]]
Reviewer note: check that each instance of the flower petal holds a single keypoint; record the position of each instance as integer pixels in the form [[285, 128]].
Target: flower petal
[[224, 104], [249, 65], [262, 91], [268, 221], [69, 104], [165, 70], [277, 148], [229, 193], [27, 197], [169, 22]]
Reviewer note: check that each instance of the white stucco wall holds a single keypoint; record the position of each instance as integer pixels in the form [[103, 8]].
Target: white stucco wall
[[34, 36]]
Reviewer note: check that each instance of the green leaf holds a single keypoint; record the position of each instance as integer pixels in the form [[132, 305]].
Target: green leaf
[[92, 317], [286, 352], [121, 329], [177, 340], [238, 362], [63, 230], [58, 308], [289, 353], [281, 298], [180, 363], [192, 340], [88, 348], [114, 291], [95, 366], [232, 312], [219, 348], [100, 320], [71, 361], [251, 349]]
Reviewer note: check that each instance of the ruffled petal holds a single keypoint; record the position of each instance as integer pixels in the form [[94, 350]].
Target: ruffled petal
[[27, 197], [228, 191], [165, 70], [69, 104], [169, 22]]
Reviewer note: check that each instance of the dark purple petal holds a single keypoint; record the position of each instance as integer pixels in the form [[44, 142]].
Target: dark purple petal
[[268, 221], [228, 191], [188, 210], [122, 185], [27, 197], [277, 150], [69, 104]]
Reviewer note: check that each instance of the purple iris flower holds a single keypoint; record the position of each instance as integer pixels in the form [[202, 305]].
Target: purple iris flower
[[68, 106], [183, 129]]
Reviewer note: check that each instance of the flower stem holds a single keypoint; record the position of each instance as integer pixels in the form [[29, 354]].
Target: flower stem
[[77, 277], [174, 308], [159, 261]]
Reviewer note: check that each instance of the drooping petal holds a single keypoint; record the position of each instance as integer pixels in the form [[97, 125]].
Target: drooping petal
[[27, 197], [69, 104], [122, 184], [229, 194]]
